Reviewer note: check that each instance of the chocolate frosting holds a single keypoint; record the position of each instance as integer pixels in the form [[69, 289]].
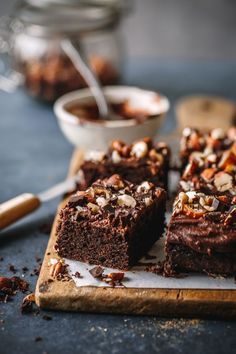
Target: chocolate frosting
[[203, 235]]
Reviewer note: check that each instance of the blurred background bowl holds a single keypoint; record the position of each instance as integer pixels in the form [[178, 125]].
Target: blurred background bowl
[[98, 134]]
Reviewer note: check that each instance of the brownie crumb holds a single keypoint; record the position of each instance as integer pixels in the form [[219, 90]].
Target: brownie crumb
[[10, 286], [46, 318], [25, 269], [38, 339], [77, 275], [27, 304], [164, 269], [113, 279], [12, 268]]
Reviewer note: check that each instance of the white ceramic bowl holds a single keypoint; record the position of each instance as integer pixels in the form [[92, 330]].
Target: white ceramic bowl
[[93, 135]]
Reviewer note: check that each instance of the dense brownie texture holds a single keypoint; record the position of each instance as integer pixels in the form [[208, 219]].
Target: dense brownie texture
[[204, 144], [201, 235], [137, 162], [113, 223]]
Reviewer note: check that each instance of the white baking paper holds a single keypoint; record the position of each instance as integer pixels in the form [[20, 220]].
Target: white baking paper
[[137, 277]]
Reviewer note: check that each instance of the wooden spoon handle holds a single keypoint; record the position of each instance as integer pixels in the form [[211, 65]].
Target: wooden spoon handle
[[16, 208]]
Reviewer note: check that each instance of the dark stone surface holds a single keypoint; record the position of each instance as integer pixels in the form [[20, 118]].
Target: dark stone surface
[[33, 156]]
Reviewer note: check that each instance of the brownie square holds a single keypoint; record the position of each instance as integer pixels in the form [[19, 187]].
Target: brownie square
[[113, 223], [141, 161], [201, 234]]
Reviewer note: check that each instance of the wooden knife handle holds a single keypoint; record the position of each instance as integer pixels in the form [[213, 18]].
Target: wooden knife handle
[[16, 208]]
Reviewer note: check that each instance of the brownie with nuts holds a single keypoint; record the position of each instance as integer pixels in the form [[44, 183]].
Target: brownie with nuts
[[140, 161], [203, 146], [113, 223], [201, 235]]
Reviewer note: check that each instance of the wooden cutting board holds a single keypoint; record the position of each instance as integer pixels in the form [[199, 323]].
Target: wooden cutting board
[[64, 295]]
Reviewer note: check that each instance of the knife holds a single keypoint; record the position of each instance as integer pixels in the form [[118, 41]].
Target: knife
[[14, 209]]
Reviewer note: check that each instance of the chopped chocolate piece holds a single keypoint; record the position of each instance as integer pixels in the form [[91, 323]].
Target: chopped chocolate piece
[[96, 272], [12, 268], [38, 339], [116, 239], [26, 306], [77, 275], [149, 159]]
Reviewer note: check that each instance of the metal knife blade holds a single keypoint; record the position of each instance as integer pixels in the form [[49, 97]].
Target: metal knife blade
[[66, 186]]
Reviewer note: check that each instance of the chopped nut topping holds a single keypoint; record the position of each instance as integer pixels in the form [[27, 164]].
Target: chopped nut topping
[[56, 269], [154, 155], [228, 158], [116, 276], [217, 134], [185, 185], [117, 145], [79, 208], [115, 181], [195, 204], [93, 207], [101, 201], [148, 201], [208, 174], [126, 200], [53, 261], [231, 217], [223, 181], [115, 156], [211, 158], [144, 187], [94, 155], [190, 169], [139, 149], [187, 132]]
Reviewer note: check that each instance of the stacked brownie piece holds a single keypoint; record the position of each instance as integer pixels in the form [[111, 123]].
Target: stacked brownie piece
[[113, 223], [141, 161], [202, 232]]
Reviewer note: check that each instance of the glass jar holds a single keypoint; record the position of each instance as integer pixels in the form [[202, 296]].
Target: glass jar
[[35, 42]]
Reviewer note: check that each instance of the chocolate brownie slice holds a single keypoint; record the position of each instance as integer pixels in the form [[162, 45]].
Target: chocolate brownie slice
[[141, 161], [201, 235], [113, 223]]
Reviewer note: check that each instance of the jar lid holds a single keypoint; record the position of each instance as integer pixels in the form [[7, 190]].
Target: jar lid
[[67, 17]]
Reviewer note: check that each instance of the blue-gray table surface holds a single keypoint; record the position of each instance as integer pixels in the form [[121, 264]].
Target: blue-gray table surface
[[33, 156]]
